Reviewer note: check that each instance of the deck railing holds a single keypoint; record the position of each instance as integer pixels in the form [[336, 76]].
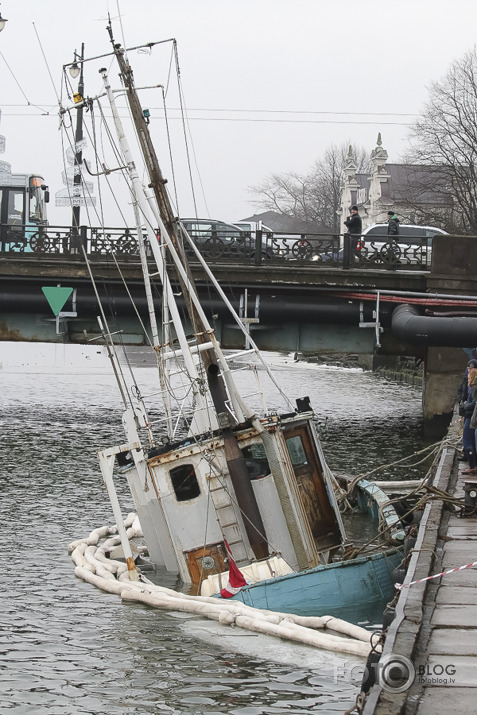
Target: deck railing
[[286, 249]]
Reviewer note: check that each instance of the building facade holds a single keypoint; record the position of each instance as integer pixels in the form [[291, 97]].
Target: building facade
[[416, 193]]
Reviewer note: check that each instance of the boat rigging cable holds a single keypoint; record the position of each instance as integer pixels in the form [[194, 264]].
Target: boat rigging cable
[[120, 160], [139, 232]]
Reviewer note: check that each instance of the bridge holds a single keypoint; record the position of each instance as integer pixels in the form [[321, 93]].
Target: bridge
[[305, 294]]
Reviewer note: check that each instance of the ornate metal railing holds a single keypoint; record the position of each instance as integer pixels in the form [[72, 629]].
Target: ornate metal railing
[[324, 251]]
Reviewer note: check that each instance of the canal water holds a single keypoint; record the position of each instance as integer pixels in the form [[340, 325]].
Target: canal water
[[66, 647]]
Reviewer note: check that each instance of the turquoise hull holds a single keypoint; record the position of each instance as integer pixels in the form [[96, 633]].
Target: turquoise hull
[[355, 590]]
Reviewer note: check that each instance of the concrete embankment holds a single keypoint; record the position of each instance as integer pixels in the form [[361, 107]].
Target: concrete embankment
[[429, 658]]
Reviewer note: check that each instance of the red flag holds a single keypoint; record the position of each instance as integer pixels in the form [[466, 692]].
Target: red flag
[[236, 579]]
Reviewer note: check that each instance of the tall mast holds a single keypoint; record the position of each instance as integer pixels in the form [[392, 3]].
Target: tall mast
[[235, 460], [200, 417]]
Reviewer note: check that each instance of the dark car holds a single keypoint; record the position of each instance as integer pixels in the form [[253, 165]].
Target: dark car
[[337, 256], [216, 239]]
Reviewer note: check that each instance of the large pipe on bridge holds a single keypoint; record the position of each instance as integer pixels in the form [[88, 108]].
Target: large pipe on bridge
[[25, 297], [432, 331], [407, 323]]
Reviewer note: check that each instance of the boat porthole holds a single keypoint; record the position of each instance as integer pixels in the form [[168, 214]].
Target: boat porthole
[[208, 563]]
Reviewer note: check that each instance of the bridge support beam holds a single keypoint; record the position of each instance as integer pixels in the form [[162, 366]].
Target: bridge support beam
[[443, 372]]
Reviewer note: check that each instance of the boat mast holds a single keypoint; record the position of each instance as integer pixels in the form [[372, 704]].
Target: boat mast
[[235, 460], [200, 417]]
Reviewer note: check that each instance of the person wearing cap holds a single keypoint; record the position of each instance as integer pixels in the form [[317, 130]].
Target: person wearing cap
[[353, 223], [393, 224], [355, 227]]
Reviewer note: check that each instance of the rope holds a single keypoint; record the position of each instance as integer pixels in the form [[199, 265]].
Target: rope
[[436, 447], [436, 575]]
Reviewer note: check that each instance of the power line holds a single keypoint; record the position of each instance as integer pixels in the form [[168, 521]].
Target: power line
[[301, 111], [28, 103], [273, 111], [249, 120]]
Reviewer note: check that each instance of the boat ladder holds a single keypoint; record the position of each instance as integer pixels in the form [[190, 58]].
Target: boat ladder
[[227, 518]]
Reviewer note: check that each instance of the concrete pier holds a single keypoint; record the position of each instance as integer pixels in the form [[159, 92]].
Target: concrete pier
[[432, 642]]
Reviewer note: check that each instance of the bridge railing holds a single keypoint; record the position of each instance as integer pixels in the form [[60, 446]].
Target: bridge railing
[[257, 248]]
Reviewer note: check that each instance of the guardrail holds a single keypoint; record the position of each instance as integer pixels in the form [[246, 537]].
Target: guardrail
[[345, 251]]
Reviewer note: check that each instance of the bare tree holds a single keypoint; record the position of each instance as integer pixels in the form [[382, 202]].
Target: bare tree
[[445, 139], [314, 197]]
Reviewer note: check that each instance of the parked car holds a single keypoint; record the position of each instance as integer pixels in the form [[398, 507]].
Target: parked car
[[252, 226], [413, 244], [217, 238]]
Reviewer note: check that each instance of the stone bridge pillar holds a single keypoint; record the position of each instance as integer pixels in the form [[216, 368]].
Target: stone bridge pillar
[[443, 372]]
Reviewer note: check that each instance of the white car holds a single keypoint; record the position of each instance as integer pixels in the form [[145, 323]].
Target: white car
[[413, 244]]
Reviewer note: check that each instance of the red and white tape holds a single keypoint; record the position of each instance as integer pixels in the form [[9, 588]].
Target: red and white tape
[[436, 575]]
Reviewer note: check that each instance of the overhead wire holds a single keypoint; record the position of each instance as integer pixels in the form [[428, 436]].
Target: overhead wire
[[46, 62], [259, 111], [29, 104]]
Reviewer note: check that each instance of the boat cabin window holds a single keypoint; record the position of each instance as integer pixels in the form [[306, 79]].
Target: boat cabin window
[[184, 482], [256, 460], [297, 451]]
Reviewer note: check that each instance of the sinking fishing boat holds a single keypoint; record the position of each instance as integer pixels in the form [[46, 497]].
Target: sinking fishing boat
[[219, 480]]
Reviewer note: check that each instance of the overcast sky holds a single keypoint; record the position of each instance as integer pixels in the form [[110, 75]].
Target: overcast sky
[[268, 84]]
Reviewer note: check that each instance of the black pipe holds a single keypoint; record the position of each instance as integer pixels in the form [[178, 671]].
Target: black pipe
[[453, 332], [283, 307]]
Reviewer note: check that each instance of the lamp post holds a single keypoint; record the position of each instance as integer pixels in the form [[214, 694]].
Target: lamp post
[[2, 149], [3, 20], [76, 71]]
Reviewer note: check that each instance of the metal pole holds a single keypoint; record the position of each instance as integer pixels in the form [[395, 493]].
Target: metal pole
[[106, 462], [78, 158]]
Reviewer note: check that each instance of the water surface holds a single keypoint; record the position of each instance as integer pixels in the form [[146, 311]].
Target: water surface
[[66, 647]]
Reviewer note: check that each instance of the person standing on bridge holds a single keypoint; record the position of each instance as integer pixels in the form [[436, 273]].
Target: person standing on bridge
[[393, 224], [355, 227]]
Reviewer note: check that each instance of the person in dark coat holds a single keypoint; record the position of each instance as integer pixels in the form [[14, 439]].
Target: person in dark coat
[[355, 227], [393, 224], [463, 391], [468, 434], [353, 223]]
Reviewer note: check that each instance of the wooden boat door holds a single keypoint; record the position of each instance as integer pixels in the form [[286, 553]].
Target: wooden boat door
[[312, 487]]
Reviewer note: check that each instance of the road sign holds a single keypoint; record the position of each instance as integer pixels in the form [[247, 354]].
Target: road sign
[[57, 297]]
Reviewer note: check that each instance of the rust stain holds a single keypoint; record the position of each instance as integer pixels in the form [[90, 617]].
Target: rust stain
[[131, 564], [15, 336], [7, 334]]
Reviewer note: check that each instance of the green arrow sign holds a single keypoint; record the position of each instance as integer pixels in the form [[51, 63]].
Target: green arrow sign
[[57, 297]]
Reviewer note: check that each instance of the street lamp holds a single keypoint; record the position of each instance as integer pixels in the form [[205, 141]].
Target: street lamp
[[77, 71], [74, 70], [2, 22]]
